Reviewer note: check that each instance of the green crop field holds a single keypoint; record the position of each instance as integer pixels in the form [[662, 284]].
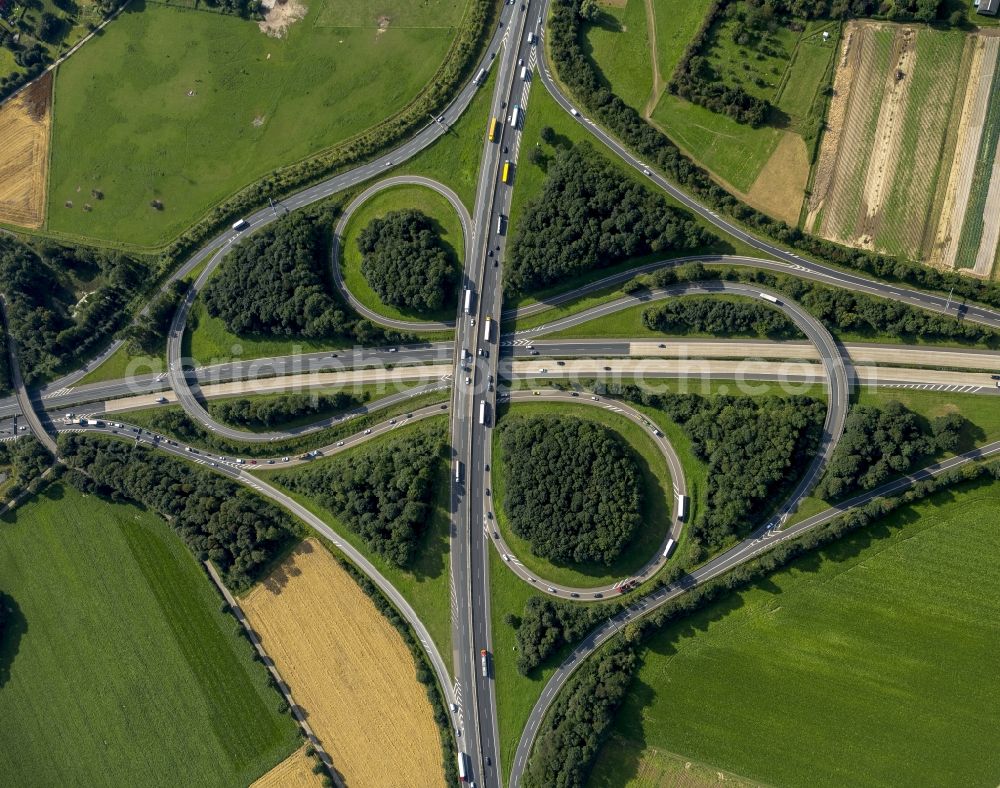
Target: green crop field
[[619, 45], [656, 502], [425, 584], [188, 106], [399, 198], [733, 151], [120, 668], [871, 662]]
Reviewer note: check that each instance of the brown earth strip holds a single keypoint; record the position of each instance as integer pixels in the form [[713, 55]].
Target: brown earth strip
[[348, 669], [888, 136], [780, 186], [970, 129], [25, 131]]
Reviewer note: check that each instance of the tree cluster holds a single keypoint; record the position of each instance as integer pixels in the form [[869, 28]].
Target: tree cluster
[[588, 216], [549, 624], [580, 719], [574, 490], [755, 449], [272, 283], [384, 494], [149, 334], [703, 314], [577, 70], [28, 460], [879, 443], [279, 410], [405, 261], [49, 323], [217, 519]]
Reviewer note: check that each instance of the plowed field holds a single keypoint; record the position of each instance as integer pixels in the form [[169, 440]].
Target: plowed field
[[25, 125]]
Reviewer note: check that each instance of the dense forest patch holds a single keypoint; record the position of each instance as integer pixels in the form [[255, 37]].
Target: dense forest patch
[[573, 488]]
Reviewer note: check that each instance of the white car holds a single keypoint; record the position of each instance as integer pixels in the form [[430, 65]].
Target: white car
[[340, 443], [284, 459], [368, 432], [468, 380], [542, 370]]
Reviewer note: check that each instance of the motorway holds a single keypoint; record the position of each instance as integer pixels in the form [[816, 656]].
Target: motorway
[[473, 692]]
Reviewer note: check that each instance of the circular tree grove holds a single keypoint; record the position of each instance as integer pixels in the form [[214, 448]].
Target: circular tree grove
[[573, 488], [405, 261]]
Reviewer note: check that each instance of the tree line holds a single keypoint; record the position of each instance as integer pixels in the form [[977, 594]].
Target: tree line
[[405, 261], [879, 443], [713, 315], [577, 70], [50, 323], [573, 490], [839, 309], [588, 216], [218, 520], [273, 411], [384, 493], [571, 736], [273, 284]]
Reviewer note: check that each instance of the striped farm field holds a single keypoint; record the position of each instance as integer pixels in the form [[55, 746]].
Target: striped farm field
[[348, 669], [118, 666], [296, 771], [907, 162]]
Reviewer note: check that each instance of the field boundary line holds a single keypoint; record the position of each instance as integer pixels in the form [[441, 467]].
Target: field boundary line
[[285, 690]]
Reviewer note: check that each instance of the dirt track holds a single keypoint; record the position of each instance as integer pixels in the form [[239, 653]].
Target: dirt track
[[25, 130]]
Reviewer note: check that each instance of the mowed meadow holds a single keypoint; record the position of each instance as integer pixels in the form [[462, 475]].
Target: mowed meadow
[[118, 666], [871, 662], [187, 106]]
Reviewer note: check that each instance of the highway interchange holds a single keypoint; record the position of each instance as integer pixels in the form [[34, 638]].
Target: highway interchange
[[471, 693]]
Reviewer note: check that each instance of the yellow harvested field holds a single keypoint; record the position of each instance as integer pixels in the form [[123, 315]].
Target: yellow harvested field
[[781, 185], [296, 771], [348, 669], [25, 130]]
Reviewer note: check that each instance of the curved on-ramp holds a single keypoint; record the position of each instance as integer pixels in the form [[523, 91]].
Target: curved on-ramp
[[649, 569], [341, 226]]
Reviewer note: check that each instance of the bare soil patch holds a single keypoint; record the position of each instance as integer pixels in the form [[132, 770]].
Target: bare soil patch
[[348, 669], [780, 187], [279, 15], [25, 131], [296, 771]]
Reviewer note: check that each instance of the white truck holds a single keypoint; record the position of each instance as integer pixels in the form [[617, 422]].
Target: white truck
[[486, 663], [468, 301], [488, 328], [240, 225], [768, 297], [482, 411]]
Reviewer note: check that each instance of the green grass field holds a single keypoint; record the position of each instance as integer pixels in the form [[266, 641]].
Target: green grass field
[[121, 668], [398, 198], [187, 107], [454, 158], [871, 662], [733, 151], [676, 23], [656, 502], [618, 43], [425, 585]]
